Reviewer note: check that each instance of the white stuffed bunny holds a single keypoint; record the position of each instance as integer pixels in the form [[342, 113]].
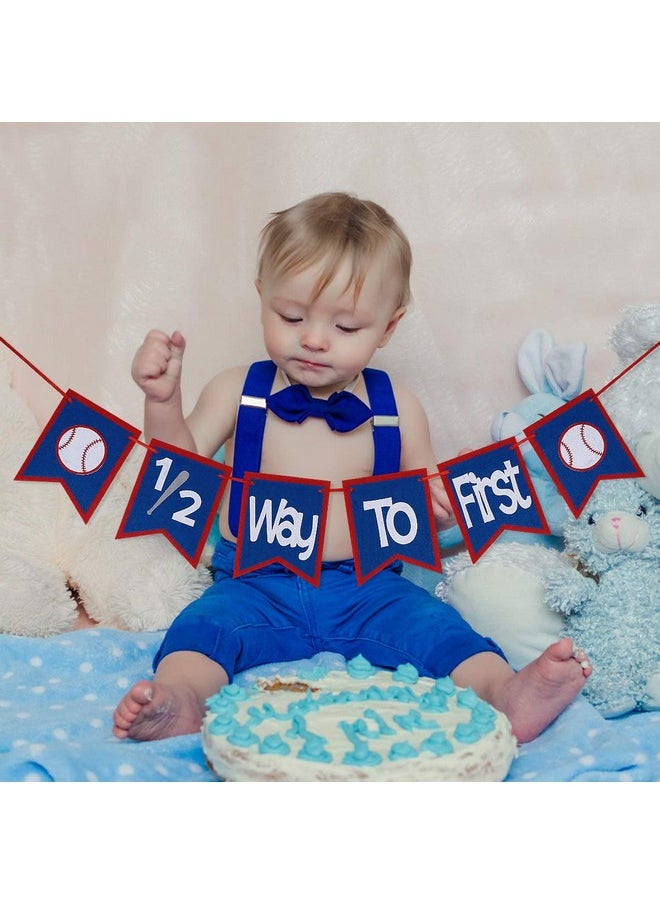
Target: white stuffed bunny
[[53, 566], [633, 402]]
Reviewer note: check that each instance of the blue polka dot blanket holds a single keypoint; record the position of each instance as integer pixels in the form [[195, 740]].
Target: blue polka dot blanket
[[57, 696]]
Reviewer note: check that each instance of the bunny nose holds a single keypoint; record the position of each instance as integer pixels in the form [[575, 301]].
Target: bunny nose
[[616, 522]]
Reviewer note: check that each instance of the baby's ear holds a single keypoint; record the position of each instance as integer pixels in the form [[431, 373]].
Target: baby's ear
[[392, 325]]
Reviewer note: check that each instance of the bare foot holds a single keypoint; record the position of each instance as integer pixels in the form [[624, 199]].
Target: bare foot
[[152, 710], [537, 694]]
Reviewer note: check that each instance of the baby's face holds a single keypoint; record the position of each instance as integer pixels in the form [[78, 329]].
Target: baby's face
[[326, 342]]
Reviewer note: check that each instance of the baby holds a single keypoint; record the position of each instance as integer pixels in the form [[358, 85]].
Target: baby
[[333, 280]]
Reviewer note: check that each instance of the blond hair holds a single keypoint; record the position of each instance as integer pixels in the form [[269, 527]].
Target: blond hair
[[325, 229]]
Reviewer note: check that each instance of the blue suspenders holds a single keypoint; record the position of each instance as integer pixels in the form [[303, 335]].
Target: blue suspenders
[[251, 420]]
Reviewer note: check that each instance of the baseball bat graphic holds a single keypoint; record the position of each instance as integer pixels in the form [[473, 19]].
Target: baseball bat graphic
[[178, 481]]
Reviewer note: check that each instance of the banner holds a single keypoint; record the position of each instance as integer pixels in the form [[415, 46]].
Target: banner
[[580, 446], [391, 517], [177, 494], [282, 520], [491, 491], [82, 447]]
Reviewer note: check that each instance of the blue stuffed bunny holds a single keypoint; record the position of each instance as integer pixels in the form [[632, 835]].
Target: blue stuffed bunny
[[612, 599], [553, 373], [502, 594]]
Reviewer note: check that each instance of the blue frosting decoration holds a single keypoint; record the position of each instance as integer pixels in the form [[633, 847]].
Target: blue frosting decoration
[[271, 713], [242, 736], [383, 727], [306, 705], [360, 727], [413, 720], [314, 749], [221, 705], [371, 693], [361, 755], [406, 674], [445, 685], [359, 667], [234, 692], [344, 697], [434, 701], [257, 715], [403, 750], [437, 743], [312, 673], [403, 694], [298, 727], [467, 733], [222, 724], [467, 698], [273, 743], [483, 715]]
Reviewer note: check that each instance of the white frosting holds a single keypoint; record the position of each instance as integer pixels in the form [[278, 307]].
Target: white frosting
[[443, 732]]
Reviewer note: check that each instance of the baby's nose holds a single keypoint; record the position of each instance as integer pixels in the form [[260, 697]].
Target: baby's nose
[[315, 339]]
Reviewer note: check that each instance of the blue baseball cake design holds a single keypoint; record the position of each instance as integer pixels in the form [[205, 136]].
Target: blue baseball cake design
[[362, 724]]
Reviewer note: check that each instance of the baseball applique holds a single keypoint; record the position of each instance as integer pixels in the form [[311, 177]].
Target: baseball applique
[[81, 449], [581, 447]]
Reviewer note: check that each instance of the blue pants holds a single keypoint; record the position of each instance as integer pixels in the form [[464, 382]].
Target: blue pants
[[272, 615]]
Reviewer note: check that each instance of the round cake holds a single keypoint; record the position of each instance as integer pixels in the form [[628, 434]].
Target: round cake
[[362, 724]]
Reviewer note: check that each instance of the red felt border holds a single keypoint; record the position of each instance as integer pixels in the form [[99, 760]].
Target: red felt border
[[133, 433], [395, 557], [224, 472], [253, 477], [509, 444], [588, 395]]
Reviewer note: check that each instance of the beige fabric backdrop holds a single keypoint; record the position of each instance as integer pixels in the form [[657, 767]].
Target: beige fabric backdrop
[[109, 229]]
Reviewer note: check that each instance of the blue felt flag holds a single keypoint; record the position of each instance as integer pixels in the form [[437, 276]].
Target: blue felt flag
[[177, 494], [391, 517], [82, 447], [282, 520], [490, 491], [580, 446]]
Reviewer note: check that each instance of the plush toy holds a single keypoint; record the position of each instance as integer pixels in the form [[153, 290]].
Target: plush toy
[[501, 594], [553, 373], [633, 402], [611, 601], [53, 566]]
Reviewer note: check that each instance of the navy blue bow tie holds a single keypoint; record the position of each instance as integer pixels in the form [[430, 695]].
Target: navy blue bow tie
[[343, 411]]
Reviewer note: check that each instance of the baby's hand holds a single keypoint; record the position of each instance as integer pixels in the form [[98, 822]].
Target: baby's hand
[[442, 510], [157, 365]]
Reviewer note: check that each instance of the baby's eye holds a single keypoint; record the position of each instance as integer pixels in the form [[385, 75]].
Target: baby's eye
[[290, 319], [348, 329]]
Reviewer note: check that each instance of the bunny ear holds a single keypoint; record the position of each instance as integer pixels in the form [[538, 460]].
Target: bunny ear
[[547, 367], [532, 356], [564, 370]]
